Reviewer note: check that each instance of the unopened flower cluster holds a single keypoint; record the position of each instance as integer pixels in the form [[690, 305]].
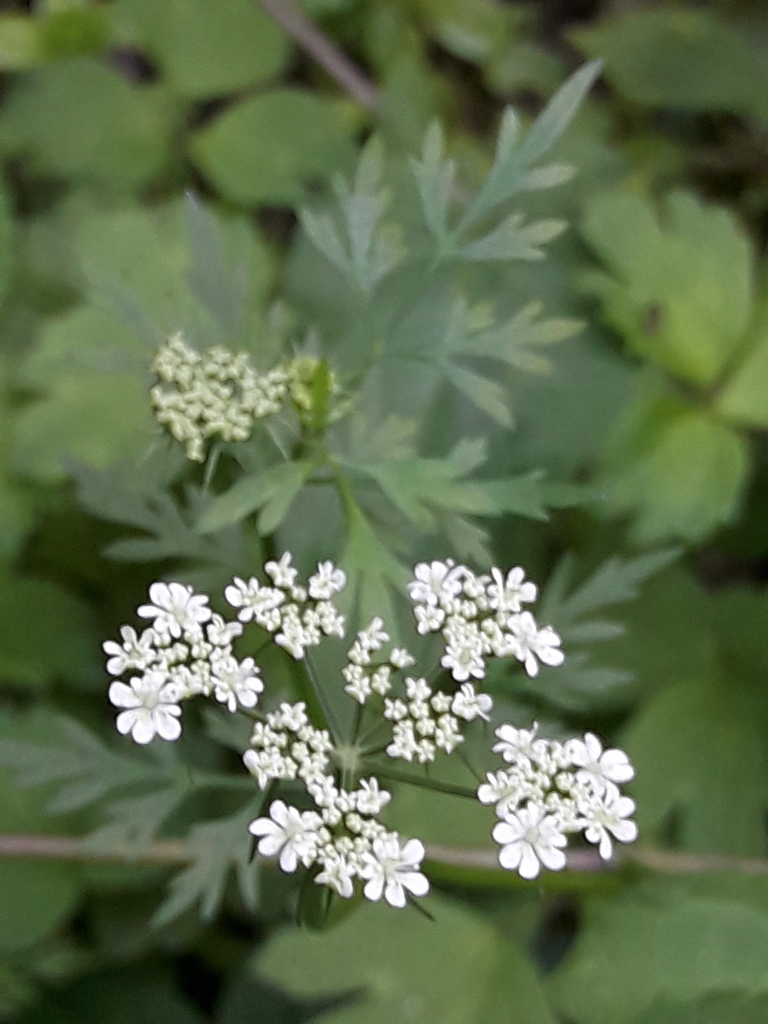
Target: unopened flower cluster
[[219, 394], [332, 824]]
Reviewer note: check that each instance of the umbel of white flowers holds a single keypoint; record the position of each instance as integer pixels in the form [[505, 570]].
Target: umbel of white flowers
[[544, 792], [217, 393]]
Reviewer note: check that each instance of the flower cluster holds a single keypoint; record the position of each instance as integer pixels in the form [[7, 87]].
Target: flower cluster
[[340, 836], [212, 393], [546, 791], [551, 790], [186, 651], [298, 616], [480, 617]]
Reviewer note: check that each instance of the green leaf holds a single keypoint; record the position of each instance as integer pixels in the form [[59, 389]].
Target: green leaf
[[716, 806], [435, 177], [679, 472], [679, 57], [82, 767], [266, 149], [660, 944], [457, 970], [510, 173], [680, 284], [374, 573], [47, 635], [355, 239], [512, 240], [207, 49], [215, 847], [79, 119], [744, 398], [19, 43], [271, 490], [85, 412]]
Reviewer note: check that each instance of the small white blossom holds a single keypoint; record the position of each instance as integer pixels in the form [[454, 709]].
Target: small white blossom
[[528, 838], [150, 708], [370, 799], [435, 583], [175, 608], [283, 573], [596, 765], [326, 582], [289, 833], [508, 595], [391, 870], [534, 643], [609, 818], [135, 652], [468, 704]]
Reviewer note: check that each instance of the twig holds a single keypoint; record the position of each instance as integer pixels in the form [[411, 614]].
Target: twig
[[171, 851], [321, 49], [665, 862]]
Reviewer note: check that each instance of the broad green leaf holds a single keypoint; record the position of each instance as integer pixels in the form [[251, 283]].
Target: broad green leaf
[[744, 398], [680, 284], [79, 119], [85, 411], [271, 491], [679, 57], [458, 970], [19, 43], [267, 148], [114, 995], [720, 1008], [677, 471], [657, 944], [206, 49], [715, 804], [48, 635]]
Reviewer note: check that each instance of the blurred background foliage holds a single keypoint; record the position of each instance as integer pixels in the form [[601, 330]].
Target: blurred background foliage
[[155, 154]]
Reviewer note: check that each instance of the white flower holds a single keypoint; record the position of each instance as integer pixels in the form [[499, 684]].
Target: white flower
[[236, 682], [254, 601], [516, 743], [508, 595], [291, 833], [283, 573], [534, 643], [464, 661], [609, 817], [391, 870], [135, 652], [326, 582], [374, 636], [470, 705], [530, 837], [429, 618], [399, 657], [436, 582], [596, 765], [370, 799], [151, 708], [337, 874], [175, 608]]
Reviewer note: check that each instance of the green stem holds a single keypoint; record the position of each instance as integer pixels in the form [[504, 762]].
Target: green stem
[[425, 782]]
